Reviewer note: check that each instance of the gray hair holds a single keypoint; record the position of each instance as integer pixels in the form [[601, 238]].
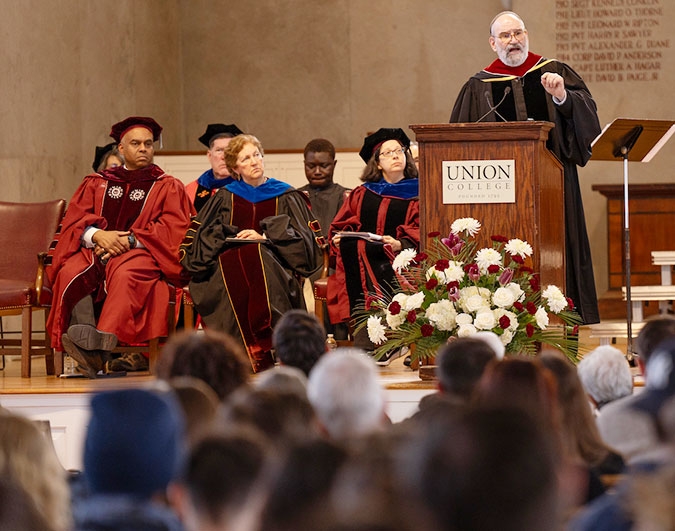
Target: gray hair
[[344, 390], [605, 374]]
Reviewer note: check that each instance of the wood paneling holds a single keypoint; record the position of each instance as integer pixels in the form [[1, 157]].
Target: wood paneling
[[651, 209]]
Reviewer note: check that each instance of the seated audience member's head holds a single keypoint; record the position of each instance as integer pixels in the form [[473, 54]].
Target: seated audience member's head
[[219, 475], [654, 331], [660, 386], [284, 418], [319, 163], [211, 356], [199, 403], [579, 432], [461, 363], [346, 394], [28, 461], [493, 340], [283, 379], [523, 383], [302, 485], [134, 443], [605, 375], [487, 468], [299, 340]]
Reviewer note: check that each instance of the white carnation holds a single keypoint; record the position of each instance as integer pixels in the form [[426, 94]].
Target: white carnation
[[470, 225], [555, 298], [541, 317], [376, 330], [442, 314], [487, 257], [454, 272], [519, 247], [485, 320], [403, 259]]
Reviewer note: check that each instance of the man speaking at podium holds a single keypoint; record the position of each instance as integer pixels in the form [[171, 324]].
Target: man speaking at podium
[[520, 85]]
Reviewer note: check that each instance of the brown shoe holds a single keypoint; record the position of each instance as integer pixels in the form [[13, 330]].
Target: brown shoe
[[128, 362], [88, 337], [90, 362]]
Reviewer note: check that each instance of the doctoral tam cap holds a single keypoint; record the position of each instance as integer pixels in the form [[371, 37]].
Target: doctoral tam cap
[[218, 129], [120, 128], [379, 137]]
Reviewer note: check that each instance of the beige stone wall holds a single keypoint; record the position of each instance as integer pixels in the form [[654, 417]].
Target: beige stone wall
[[286, 71]]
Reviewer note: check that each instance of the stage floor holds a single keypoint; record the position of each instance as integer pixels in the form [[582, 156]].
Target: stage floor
[[395, 376]]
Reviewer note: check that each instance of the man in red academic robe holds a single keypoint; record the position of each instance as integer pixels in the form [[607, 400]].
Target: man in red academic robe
[[117, 247], [521, 85]]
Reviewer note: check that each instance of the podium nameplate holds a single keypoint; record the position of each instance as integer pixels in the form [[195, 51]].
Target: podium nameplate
[[478, 181]]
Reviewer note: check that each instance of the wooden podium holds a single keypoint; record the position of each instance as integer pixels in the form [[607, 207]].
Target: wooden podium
[[536, 216]]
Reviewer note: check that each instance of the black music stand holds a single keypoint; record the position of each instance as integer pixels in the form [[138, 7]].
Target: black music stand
[[636, 140]]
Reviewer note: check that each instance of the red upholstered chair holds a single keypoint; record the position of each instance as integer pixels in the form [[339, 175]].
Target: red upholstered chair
[[26, 231]]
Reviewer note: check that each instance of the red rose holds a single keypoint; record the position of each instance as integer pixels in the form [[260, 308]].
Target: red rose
[[426, 330], [517, 259], [394, 308], [570, 303], [434, 234], [499, 238], [575, 330], [411, 317], [431, 283], [518, 306], [493, 268], [420, 257], [525, 269], [504, 321], [370, 301], [442, 265], [529, 329], [534, 282], [531, 308]]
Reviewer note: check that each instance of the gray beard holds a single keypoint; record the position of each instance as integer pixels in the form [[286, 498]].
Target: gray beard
[[514, 60]]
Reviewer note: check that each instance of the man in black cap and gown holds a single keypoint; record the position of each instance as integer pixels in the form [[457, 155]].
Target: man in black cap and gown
[[525, 86], [215, 138]]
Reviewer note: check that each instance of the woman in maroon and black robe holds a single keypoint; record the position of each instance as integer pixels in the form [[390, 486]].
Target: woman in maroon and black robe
[[387, 205], [247, 250]]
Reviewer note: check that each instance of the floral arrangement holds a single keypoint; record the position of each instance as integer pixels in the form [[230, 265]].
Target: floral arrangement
[[452, 289]]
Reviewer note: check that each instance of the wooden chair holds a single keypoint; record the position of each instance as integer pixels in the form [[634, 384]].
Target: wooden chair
[[26, 231]]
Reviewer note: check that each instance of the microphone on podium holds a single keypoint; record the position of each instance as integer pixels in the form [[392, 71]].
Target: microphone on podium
[[493, 108]]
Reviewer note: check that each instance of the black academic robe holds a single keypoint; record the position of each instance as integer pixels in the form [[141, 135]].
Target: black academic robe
[[576, 126], [243, 288]]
